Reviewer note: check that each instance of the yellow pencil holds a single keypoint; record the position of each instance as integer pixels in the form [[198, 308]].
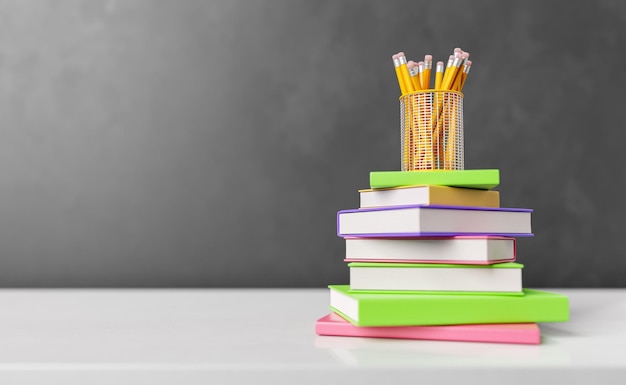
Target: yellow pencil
[[466, 69], [437, 121], [423, 126], [428, 65], [396, 64], [456, 83], [452, 130], [420, 70], [442, 122], [413, 72], [407, 135], [457, 80], [413, 122], [404, 71], [451, 72], [452, 122], [418, 139], [439, 75], [447, 69], [434, 124]]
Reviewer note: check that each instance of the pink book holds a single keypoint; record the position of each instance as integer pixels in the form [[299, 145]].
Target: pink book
[[523, 333]]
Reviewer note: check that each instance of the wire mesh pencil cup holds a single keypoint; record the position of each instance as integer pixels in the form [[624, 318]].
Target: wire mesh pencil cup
[[431, 130]]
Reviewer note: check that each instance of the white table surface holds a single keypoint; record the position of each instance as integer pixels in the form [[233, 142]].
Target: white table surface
[[217, 336]]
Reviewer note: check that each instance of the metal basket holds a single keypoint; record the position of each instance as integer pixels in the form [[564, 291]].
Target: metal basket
[[431, 129]]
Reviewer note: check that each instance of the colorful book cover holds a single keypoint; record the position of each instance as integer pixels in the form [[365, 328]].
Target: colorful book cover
[[408, 309], [477, 179], [523, 333], [433, 220]]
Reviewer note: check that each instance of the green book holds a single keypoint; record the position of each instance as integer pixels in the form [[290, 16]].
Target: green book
[[412, 309], [477, 179]]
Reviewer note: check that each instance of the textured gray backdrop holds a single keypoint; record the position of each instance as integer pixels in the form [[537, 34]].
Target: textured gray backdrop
[[211, 143]]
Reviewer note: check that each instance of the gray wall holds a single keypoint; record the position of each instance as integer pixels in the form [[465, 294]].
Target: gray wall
[[211, 143]]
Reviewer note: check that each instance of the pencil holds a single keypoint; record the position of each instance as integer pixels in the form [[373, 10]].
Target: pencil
[[396, 64], [428, 65], [412, 121], [439, 75], [420, 136], [420, 68], [456, 72], [453, 123], [442, 119], [413, 72], [447, 69], [437, 121], [404, 71], [450, 74], [456, 83], [466, 69], [435, 113]]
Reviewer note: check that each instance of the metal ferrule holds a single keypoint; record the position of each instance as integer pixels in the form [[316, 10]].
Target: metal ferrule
[[440, 67], [396, 62], [457, 62], [428, 65], [420, 68], [402, 60]]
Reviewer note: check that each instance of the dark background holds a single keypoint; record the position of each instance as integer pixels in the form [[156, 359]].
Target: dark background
[[211, 143]]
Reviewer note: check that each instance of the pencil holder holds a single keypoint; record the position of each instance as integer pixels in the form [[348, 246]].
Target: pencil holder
[[431, 130]]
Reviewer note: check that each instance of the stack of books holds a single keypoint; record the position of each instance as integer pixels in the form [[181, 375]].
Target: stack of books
[[432, 256]]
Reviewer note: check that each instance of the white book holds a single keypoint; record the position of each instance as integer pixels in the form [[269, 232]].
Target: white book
[[498, 278], [470, 250], [405, 221]]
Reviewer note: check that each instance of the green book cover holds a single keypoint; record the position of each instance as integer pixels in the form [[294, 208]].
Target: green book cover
[[411, 309], [476, 179]]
